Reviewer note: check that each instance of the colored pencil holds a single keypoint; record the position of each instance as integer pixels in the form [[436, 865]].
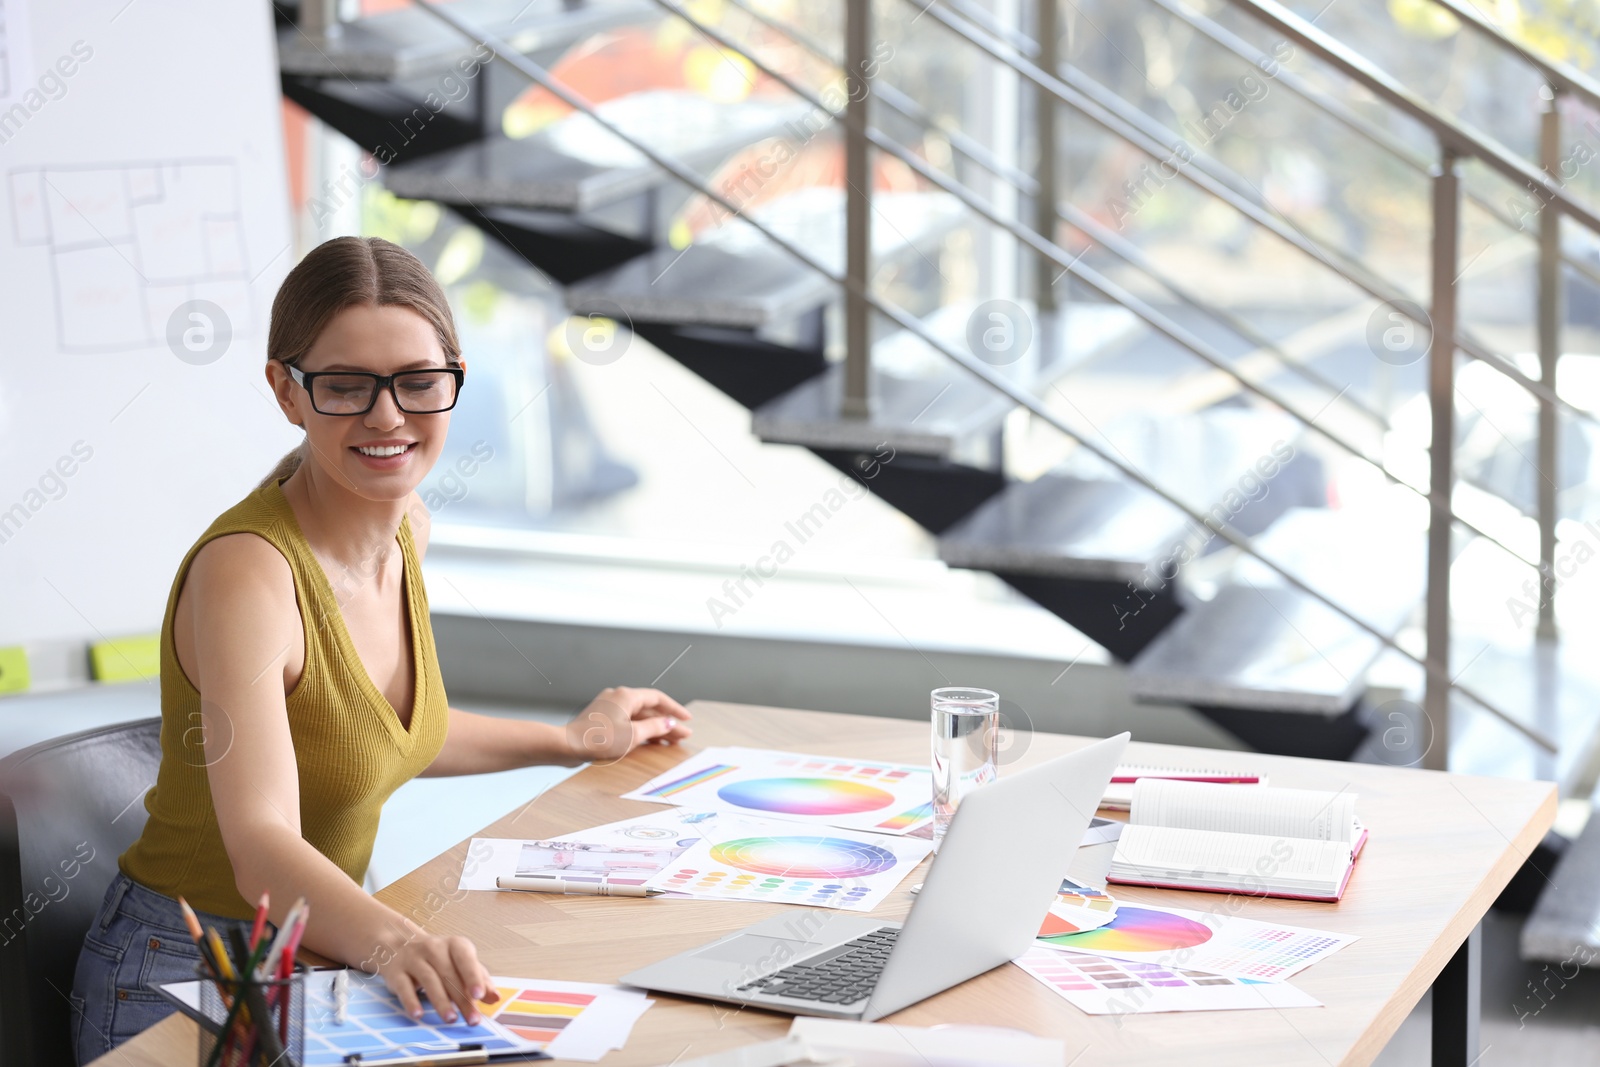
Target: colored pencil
[[261, 921]]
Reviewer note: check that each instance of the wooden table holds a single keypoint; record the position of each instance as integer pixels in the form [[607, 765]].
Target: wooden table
[[1442, 847]]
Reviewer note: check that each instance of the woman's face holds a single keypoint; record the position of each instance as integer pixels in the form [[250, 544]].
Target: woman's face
[[359, 450]]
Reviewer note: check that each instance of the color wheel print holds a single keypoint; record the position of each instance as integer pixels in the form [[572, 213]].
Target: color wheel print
[[806, 796], [804, 857], [1137, 930]]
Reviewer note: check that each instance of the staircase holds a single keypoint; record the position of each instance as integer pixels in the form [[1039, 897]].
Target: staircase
[[1188, 530]]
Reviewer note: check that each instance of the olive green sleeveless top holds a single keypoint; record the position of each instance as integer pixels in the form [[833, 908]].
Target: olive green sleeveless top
[[349, 746]]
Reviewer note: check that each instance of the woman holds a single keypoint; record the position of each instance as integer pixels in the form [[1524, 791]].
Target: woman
[[290, 714]]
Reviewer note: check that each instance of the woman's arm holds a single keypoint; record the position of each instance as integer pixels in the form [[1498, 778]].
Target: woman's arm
[[614, 724], [247, 631]]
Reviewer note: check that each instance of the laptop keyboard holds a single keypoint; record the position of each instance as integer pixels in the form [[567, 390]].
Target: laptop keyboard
[[842, 975]]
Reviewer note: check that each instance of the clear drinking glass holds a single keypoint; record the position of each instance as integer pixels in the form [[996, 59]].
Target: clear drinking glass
[[965, 725]]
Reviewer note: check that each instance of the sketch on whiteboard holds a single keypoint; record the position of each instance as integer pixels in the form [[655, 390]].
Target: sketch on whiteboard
[[16, 66], [130, 242]]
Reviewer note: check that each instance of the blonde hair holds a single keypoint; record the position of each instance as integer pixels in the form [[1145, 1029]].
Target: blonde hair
[[350, 272]]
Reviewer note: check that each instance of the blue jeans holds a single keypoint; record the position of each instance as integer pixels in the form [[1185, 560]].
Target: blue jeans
[[136, 941]]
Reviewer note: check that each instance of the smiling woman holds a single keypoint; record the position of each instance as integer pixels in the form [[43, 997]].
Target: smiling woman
[[297, 636]]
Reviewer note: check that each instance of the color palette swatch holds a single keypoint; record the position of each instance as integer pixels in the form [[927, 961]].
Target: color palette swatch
[[1227, 945], [375, 1026], [1077, 908], [741, 858], [1136, 930], [886, 798], [1099, 986], [804, 857], [569, 1020], [805, 796]]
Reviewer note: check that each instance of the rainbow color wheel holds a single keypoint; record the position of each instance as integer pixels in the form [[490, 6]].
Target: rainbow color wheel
[[1137, 930], [806, 796], [804, 857]]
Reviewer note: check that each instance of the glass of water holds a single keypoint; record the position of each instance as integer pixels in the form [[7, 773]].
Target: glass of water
[[965, 725]]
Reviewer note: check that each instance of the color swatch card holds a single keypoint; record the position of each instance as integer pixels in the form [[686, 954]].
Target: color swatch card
[[1077, 908], [1225, 945], [569, 1020], [621, 853], [1100, 986], [884, 798], [765, 859]]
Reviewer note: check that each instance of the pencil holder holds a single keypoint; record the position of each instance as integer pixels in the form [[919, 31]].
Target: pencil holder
[[266, 1030]]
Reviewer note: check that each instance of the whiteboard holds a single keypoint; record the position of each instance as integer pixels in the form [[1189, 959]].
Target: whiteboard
[[145, 228]]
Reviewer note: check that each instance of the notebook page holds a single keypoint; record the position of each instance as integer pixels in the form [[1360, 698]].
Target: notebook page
[[1305, 813], [1165, 854]]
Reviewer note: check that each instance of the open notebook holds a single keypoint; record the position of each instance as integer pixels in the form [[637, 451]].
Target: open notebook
[[1265, 841]]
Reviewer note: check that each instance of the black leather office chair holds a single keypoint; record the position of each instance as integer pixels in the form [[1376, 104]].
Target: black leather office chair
[[67, 812]]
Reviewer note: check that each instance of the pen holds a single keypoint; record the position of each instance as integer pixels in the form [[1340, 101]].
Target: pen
[[588, 889]]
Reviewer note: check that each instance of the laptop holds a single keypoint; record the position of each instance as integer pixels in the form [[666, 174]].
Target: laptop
[[985, 894]]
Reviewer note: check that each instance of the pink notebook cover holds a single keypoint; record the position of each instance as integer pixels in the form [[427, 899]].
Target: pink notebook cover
[[1354, 852]]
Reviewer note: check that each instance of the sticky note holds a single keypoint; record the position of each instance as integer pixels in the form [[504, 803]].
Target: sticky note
[[126, 659], [13, 669]]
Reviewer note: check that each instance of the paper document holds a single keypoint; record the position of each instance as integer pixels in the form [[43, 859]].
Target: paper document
[[1099, 986], [852, 794], [1226, 945], [738, 858]]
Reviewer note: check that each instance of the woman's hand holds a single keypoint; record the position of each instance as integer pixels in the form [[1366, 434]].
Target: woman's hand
[[621, 719], [447, 971]]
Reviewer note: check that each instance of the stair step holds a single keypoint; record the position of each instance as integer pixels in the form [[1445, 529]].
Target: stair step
[[1269, 647], [1565, 925], [733, 276], [925, 403], [409, 42], [1262, 644], [1069, 527], [577, 165], [950, 415]]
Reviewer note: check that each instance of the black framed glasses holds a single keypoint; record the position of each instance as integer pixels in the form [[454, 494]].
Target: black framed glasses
[[349, 392]]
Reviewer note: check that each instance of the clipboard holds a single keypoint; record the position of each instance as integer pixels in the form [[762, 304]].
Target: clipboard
[[359, 1041]]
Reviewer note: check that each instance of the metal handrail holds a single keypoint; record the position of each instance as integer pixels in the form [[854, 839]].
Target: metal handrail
[[1156, 151], [1559, 76], [1344, 115], [900, 102], [982, 371], [1453, 136], [1119, 247]]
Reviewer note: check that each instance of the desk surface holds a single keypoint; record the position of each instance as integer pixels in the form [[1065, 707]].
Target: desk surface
[[1442, 848]]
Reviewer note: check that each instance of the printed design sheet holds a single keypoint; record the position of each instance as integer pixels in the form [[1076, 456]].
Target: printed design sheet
[[1225, 945], [765, 859], [1098, 986], [852, 794], [623, 853], [1077, 908]]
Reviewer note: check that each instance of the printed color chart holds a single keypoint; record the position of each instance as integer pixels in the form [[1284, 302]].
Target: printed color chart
[[1077, 908], [886, 798], [1100, 986], [374, 1026], [764, 859], [1219, 944]]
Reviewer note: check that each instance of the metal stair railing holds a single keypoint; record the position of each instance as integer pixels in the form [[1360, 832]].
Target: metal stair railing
[[901, 103], [1346, 116], [1153, 148], [1059, 258], [1455, 142], [1118, 246], [852, 281], [1560, 77]]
